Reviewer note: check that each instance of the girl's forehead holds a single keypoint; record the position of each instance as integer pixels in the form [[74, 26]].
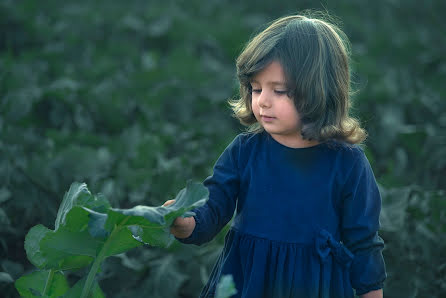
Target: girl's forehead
[[272, 74]]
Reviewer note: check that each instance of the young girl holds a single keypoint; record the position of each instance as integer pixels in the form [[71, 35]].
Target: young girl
[[305, 198]]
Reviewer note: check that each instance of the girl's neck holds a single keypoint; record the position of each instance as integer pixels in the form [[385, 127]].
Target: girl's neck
[[297, 142]]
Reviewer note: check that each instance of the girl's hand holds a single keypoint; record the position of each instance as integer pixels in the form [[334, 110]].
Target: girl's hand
[[373, 294], [181, 227]]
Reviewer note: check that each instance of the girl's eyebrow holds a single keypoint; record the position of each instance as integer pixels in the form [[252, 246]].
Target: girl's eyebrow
[[272, 83]]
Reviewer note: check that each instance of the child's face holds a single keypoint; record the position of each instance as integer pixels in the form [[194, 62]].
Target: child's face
[[272, 107]]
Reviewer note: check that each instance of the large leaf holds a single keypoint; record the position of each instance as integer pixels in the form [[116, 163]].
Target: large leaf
[[193, 196], [82, 233], [69, 250], [151, 225], [79, 195], [118, 240], [124, 229], [69, 247], [33, 285]]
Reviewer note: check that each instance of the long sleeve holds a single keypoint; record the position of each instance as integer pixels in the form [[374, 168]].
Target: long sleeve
[[223, 188], [360, 225]]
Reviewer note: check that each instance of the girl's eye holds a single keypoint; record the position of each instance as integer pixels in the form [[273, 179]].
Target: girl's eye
[[278, 92], [281, 92]]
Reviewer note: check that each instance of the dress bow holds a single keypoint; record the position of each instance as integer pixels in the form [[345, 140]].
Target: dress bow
[[326, 244]]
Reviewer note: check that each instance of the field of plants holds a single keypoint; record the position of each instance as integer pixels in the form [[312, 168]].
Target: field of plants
[[130, 97]]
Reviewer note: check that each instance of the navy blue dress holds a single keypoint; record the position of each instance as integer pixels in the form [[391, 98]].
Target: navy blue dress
[[306, 220]]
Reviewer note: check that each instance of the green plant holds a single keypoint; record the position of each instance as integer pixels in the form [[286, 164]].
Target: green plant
[[226, 287], [130, 97], [87, 231]]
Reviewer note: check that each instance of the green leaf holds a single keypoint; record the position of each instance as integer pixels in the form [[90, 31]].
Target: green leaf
[[65, 249], [96, 225], [5, 277], [191, 197], [69, 247], [77, 191], [122, 241], [32, 245], [76, 290], [33, 285], [79, 195], [76, 219], [84, 235], [167, 278], [226, 287], [5, 194], [4, 219], [151, 225], [140, 228], [119, 239]]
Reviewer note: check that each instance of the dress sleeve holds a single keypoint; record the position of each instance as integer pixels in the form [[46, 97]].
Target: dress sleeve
[[360, 224], [223, 188]]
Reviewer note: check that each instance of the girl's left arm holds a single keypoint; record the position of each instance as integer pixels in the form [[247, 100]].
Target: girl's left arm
[[360, 224], [373, 294]]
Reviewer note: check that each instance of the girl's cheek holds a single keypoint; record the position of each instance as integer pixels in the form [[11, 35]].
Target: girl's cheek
[[253, 103], [255, 107]]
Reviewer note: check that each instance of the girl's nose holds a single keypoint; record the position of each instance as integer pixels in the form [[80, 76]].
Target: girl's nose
[[263, 101]]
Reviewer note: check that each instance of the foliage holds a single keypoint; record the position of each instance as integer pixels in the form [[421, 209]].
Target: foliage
[[88, 230], [130, 97], [414, 225], [226, 287]]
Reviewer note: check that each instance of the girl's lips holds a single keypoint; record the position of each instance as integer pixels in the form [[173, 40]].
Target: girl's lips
[[267, 118]]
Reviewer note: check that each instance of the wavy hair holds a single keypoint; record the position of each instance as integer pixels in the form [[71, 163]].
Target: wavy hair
[[314, 55]]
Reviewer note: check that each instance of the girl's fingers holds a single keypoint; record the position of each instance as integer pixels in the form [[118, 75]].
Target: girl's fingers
[[168, 202]]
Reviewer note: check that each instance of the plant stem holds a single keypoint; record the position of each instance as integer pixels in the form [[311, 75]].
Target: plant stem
[[48, 282], [97, 262], [91, 275]]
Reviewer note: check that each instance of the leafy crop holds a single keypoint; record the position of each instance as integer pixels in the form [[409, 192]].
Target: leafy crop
[[130, 97], [226, 287], [87, 231]]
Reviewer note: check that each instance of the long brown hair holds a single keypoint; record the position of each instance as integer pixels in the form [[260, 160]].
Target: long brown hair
[[314, 55]]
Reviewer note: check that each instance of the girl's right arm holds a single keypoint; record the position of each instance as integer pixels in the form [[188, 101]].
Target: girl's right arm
[[223, 188]]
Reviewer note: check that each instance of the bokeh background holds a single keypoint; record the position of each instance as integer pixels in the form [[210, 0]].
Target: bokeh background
[[130, 97]]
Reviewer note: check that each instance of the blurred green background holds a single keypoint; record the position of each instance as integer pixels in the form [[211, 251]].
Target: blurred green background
[[130, 97]]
